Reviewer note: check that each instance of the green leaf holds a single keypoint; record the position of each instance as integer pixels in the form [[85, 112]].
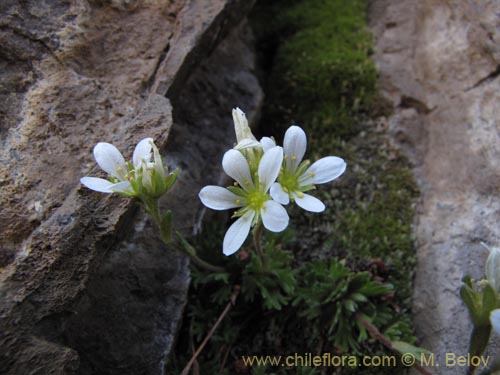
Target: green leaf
[[171, 178], [479, 339], [467, 281], [350, 305], [404, 347], [358, 297], [472, 300], [490, 302]]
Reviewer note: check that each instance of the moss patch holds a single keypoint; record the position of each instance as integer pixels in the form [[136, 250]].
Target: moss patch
[[321, 74]]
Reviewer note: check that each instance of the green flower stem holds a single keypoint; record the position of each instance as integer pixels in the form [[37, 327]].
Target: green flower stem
[[205, 265], [153, 209], [189, 250], [257, 241]]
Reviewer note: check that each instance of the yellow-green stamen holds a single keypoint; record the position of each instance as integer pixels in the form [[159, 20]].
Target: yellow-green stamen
[[289, 182], [256, 199]]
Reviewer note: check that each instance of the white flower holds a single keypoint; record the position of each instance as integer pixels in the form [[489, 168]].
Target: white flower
[[495, 320], [492, 267], [244, 136], [250, 195], [112, 162], [296, 176], [152, 179]]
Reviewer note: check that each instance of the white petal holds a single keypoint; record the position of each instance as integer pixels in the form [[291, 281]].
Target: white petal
[[278, 194], [122, 187], [267, 143], [323, 170], [241, 127], [142, 152], [495, 320], [294, 147], [237, 233], [158, 163], [269, 166], [146, 176], [104, 186], [309, 203], [110, 160], [219, 198], [247, 143], [236, 166], [98, 184], [274, 216]]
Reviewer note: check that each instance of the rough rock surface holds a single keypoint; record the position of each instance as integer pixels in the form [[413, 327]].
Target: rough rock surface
[[85, 286], [439, 65]]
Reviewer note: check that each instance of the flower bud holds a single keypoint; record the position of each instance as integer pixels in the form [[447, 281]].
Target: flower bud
[[495, 320], [241, 127], [492, 268], [153, 177]]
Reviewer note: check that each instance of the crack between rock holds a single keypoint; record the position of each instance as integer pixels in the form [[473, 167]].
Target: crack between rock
[[494, 74], [419, 106], [161, 59]]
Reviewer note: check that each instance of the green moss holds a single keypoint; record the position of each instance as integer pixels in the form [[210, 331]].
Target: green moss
[[321, 74], [378, 225]]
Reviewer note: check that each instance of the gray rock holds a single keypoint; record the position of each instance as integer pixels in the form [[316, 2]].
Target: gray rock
[[438, 63], [85, 284]]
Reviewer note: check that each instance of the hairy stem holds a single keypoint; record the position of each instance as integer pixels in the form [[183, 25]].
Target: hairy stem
[[201, 263], [186, 248], [152, 207], [257, 242]]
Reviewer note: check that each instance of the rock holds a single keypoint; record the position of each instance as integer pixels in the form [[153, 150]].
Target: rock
[[438, 63], [85, 284]]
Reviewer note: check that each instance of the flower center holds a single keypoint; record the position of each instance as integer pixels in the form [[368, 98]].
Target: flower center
[[288, 181], [256, 200]]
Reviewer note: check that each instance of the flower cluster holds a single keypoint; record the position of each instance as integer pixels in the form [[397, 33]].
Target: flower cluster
[[267, 177], [145, 177]]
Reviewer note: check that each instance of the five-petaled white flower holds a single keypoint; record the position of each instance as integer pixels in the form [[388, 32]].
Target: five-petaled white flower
[[297, 176], [251, 196], [112, 162]]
